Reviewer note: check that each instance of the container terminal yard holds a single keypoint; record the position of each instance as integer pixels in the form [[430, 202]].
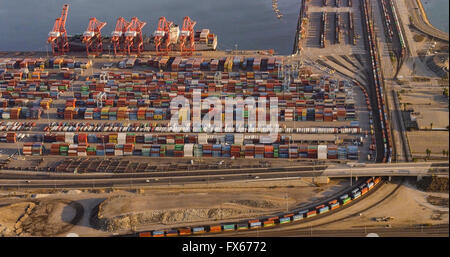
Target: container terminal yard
[[90, 126]]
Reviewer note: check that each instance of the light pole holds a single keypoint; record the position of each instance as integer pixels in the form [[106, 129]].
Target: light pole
[[287, 203], [351, 175]]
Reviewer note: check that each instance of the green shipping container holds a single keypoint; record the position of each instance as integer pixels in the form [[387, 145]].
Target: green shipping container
[[228, 227], [346, 200]]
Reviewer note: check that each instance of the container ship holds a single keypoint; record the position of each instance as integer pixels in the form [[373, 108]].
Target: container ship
[[128, 38]]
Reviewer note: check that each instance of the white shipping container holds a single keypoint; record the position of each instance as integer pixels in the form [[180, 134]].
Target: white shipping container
[[188, 150], [203, 139], [121, 138], [322, 152], [5, 116], [69, 138], [239, 139]]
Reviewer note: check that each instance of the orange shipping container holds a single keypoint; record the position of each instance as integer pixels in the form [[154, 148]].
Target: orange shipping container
[[184, 231], [145, 234], [217, 228]]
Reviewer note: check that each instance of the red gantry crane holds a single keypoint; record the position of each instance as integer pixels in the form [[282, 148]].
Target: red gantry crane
[[187, 35], [58, 36], [162, 36], [92, 37], [133, 36], [118, 35]]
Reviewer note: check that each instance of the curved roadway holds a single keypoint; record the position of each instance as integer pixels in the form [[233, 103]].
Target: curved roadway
[[420, 23]]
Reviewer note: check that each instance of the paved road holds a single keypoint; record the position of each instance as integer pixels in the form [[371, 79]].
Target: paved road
[[413, 60], [14, 179], [419, 22]]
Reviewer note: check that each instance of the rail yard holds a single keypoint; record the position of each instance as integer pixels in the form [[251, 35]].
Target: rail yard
[[106, 118]]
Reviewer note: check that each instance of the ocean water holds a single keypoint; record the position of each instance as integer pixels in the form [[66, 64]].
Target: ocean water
[[437, 13], [251, 24]]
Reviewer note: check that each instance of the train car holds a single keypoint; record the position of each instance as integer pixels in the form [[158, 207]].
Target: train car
[[216, 228], [274, 219], [355, 190], [320, 206], [145, 234], [285, 220], [198, 230], [269, 223], [311, 214], [242, 226], [342, 197], [356, 195], [184, 231], [172, 232], [324, 209], [370, 185], [229, 227], [346, 200], [157, 233], [255, 224], [335, 205], [369, 180], [297, 217], [364, 190], [363, 185], [288, 215], [303, 213], [332, 202], [377, 180]]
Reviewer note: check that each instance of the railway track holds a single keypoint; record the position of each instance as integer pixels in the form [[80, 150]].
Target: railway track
[[289, 227], [369, 185]]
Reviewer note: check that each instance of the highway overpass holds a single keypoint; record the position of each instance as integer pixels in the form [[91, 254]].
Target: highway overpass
[[27, 179]]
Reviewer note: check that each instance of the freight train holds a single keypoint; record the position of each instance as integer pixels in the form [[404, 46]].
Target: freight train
[[399, 30], [351, 34], [387, 21], [323, 29], [378, 83], [281, 219], [337, 32]]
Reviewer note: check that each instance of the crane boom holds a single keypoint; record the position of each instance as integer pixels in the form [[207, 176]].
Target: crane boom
[[58, 36], [187, 44], [162, 35], [92, 37], [118, 35], [133, 36]]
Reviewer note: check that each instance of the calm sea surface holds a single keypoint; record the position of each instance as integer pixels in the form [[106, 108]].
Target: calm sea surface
[[437, 13], [251, 24]]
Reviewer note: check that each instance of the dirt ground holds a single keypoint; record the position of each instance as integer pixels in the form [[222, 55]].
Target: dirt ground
[[122, 211], [429, 104], [408, 206], [436, 141], [165, 209], [39, 218]]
